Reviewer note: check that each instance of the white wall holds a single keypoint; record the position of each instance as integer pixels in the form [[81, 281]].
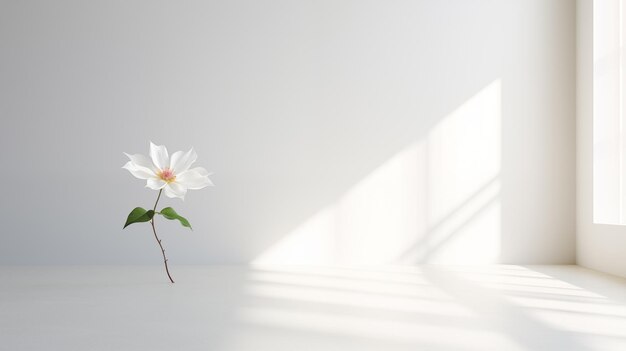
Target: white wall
[[598, 246], [307, 112]]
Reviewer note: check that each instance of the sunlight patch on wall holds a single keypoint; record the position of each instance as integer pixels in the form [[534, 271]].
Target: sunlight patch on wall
[[436, 201]]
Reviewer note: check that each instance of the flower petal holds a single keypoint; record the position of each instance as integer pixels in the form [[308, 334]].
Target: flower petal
[[202, 171], [195, 178], [155, 183], [141, 160], [181, 162], [174, 189], [159, 156], [138, 171]]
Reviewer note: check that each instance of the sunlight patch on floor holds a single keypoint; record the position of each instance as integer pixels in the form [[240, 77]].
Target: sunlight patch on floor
[[331, 308]]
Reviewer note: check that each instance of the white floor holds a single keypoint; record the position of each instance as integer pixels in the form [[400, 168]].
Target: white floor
[[304, 308]]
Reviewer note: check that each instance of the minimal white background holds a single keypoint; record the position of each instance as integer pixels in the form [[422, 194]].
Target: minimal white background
[[292, 105], [345, 135]]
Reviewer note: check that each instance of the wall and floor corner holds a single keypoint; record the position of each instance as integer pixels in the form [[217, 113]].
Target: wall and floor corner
[[316, 117]]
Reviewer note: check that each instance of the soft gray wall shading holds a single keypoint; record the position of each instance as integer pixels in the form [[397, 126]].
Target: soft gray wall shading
[[289, 102]]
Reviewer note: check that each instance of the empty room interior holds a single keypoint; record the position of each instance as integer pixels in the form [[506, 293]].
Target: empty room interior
[[313, 175]]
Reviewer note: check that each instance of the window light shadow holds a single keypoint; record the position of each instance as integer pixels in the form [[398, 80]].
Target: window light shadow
[[520, 324], [410, 291], [436, 201], [363, 307]]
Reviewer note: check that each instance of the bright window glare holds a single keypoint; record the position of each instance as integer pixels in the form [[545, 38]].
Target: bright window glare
[[608, 112]]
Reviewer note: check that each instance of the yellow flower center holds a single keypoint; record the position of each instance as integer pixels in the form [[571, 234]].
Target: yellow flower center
[[167, 175]]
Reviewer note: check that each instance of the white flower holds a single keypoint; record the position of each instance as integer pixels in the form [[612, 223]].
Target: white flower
[[172, 175]]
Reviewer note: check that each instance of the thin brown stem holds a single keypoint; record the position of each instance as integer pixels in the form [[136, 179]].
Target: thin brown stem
[[159, 240]]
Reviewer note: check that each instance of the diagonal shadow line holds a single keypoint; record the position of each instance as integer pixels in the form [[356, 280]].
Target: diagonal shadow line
[[414, 250], [604, 284], [513, 285], [510, 319], [342, 278], [364, 291], [348, 339], [473, 272], [456, 230], [429, 232], [573, 313], [558, 297], [378, 313]]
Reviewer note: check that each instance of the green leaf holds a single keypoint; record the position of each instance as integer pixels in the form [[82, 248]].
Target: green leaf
[[139, 215], [169, 213]]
